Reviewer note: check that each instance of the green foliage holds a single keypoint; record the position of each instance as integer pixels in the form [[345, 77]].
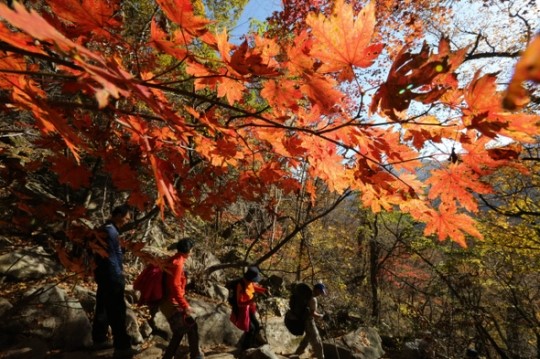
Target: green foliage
[[225, 13]]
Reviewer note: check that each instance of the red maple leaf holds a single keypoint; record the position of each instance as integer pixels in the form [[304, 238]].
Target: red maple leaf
[[97, 70], [89, 15], [69, 172], [414, 77], [247, 61]]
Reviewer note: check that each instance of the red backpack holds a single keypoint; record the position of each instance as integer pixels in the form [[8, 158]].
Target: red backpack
[[150, 283]]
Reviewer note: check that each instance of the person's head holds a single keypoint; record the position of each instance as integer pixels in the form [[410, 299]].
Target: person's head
[[319, 289], [121, 215], [252, 274], [185, 245]]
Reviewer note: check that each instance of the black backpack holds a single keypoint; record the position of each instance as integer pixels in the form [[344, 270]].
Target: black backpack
[[295, 318], [231, 298]]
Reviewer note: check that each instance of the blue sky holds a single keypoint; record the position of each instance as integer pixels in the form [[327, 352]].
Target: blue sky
[[255, 9]]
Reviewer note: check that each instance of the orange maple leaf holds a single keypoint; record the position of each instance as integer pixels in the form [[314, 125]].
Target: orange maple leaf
[[230, 88], [457, 183], [344, 39], [18, 39], [282, 93], [167, 194], [481, 95], [527, 68], [327, 163], [322, 91], [160, 40], [484, 106], [374, 198], [181, 12], [10, 62], [522, 127], [448, 223], [425, 129], [204, 77]]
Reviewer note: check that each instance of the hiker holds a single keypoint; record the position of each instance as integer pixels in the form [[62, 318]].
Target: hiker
[[175, 307], [312, 333], [247, 309], [109, 276]]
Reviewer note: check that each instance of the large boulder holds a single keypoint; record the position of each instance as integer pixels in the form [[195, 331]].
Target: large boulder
[[28, 263], [49, 314], [214, 325], [363, 343]]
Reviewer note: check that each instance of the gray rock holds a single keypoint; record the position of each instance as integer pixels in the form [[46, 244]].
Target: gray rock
[[28, 263], [263, 352], [47, 313], [5, 306]]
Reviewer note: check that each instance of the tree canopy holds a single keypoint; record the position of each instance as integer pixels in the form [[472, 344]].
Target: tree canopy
[[209, 122]]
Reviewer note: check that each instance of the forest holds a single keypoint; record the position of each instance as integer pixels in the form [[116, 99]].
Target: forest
[[388, 148]]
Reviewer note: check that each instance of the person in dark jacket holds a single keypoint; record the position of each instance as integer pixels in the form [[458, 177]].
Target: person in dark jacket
[[109, 276], [176, 308]]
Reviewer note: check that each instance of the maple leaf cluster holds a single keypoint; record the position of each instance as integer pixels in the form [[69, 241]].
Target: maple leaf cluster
[[214, 122]]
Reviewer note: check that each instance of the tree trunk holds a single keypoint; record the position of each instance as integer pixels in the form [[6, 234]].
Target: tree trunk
[[374, 252]]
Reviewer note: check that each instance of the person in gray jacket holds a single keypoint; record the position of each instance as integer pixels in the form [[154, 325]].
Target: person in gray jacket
[[312, 336]]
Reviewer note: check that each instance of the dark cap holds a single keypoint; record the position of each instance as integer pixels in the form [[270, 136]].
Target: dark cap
[[184, 245], [321, 287], [252, 274]]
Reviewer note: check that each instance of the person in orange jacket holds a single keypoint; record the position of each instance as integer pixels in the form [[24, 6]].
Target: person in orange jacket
[[245, 294], [175, 307]]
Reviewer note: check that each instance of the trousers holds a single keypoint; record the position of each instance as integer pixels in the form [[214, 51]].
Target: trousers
[[181, 325], [110, 311], [312, 338]]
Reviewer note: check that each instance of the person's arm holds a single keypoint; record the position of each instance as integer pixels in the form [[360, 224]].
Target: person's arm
[[313, 306], [259, 289], [178, 285]]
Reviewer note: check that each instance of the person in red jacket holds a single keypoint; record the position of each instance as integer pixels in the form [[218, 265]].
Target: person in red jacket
[[175, 307], [245, 296]]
